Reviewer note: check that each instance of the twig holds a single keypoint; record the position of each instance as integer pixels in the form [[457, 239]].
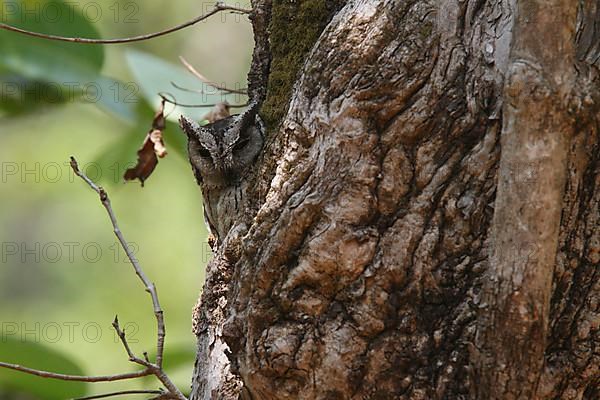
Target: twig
[[219, 6], [175, 103], [184, 89], [123, 392], [150, 288], [77, 378], [199, 91], [207, 81], [149, 367], [121, 334], [155, 369]]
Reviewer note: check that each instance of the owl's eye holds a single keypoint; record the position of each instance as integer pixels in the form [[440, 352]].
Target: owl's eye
[[203, 152], [241, 143]]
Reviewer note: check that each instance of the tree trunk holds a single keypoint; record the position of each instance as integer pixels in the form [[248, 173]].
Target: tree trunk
[[424, 221]]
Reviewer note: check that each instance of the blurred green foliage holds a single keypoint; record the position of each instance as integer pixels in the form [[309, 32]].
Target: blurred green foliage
[[63, 276], [40, 357]]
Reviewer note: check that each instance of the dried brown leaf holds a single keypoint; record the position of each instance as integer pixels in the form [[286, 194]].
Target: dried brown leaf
[[152, 148], [218, 112]]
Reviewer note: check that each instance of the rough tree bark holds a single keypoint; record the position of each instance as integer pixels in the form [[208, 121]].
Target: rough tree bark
[[424, 221]]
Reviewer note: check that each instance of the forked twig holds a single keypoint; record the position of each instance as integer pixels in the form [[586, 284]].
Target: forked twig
[[150, 288], [156, 368], [172, 392]]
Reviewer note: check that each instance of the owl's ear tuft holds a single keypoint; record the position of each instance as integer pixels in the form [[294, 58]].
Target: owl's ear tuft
[[189, 126]]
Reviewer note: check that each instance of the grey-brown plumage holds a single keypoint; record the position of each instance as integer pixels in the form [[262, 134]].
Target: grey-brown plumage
[[220, 154]]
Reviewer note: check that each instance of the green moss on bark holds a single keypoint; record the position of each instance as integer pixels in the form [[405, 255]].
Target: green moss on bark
[[294, 29]]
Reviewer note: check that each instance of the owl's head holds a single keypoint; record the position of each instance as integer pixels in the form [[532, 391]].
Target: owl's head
[[220, 152]]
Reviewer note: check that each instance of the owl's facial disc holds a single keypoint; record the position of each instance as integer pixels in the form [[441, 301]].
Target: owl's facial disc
[[220, 152]]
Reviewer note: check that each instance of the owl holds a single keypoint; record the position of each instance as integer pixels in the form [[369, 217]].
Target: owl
[[220, 154]]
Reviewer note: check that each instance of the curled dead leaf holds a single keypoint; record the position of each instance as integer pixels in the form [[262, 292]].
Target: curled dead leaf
[[152, 148]]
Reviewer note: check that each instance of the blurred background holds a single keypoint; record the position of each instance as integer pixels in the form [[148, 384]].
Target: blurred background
[[63, 277]]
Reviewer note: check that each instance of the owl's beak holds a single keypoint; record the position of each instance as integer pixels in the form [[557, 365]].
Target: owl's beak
[[228, 174], [226, 169]]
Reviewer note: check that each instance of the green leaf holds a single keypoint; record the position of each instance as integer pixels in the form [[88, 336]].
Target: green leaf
[[19, 95], [118, 97], [154, 75], [49, 60], [34, 64], [37, 356]]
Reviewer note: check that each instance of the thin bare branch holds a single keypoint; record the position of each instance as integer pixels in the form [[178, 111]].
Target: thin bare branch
[[198, 91], [184, 89], [154, 369], [150, 368], [121, 393], [77, 378], [175, 103], [150, 288], [121, 334], [207, 81], [219, 6]]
